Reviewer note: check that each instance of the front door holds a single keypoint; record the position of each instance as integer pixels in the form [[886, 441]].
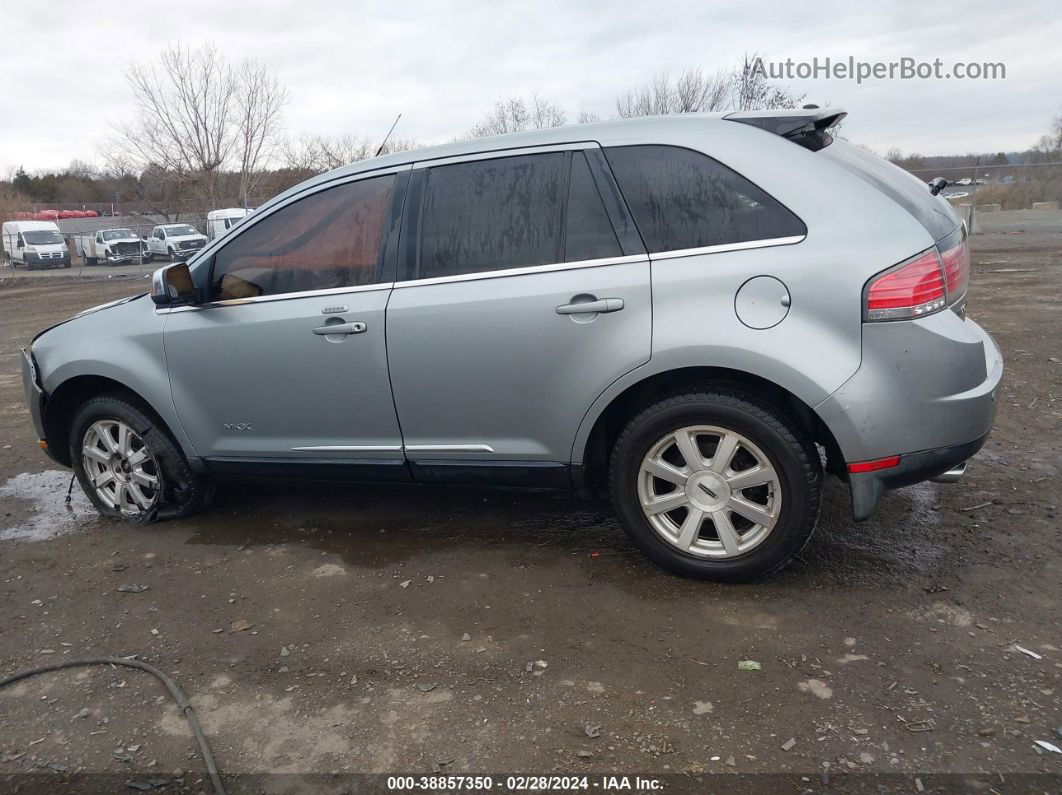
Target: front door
[[284, 367], [523, 306]]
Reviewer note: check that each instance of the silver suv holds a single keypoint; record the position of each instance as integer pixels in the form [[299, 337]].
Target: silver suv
[[697, 314]]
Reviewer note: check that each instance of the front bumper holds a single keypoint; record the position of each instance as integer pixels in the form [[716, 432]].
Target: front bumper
[[926, 391], [35, 396], [35, 261]]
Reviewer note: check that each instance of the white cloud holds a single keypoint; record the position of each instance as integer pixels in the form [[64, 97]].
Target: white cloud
[[351, 67]]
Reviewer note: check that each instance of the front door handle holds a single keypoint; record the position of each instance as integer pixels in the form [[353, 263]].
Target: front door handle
[[357, 327], [600, 306]]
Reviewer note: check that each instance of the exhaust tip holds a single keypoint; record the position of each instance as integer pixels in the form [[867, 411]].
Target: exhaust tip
[[953, 475]]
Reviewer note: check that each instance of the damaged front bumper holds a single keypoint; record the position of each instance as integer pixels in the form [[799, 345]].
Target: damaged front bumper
[[35, 399]]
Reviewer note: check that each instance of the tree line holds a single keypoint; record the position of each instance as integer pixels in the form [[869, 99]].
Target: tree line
[[208, 133]]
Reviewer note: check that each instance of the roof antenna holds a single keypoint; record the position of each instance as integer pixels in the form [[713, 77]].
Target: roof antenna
[[384, 142]]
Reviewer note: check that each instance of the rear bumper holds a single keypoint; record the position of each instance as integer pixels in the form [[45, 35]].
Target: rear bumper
[[926, 391], [868, 487]]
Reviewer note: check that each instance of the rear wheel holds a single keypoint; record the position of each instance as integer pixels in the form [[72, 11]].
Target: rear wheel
[[128, 466], [716, 485]]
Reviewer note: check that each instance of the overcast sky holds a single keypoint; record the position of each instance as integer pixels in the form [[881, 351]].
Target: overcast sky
[[352, 66]]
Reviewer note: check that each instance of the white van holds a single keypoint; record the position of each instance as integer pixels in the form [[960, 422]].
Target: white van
[[221, 221], [34, 244]]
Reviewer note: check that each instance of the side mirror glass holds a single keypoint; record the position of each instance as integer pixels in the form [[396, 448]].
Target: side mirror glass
[[172, 285]]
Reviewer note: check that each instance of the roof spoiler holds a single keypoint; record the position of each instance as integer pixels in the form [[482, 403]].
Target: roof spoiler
[[808, 126]]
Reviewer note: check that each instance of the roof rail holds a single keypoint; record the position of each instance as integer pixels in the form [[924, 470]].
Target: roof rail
[[808, 127]]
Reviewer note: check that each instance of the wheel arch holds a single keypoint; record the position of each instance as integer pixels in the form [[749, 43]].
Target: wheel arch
[[63, 403], [610, 418]]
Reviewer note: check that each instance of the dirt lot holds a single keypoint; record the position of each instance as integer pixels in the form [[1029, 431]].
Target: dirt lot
[[333, 630]]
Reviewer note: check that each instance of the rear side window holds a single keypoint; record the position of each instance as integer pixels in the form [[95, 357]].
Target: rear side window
[[491, 215], [684, 199], [327, 240], [588, 230]]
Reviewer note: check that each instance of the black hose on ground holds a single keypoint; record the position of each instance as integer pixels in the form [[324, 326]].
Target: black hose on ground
[[178, 696]]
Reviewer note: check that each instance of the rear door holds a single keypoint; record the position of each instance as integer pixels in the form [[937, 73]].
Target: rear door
[[525, 292]]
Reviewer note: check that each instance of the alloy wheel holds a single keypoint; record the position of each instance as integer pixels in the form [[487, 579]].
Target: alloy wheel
[[120, 468], [709, 491]]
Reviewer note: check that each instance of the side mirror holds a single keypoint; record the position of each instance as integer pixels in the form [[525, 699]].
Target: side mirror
[[172, 285]]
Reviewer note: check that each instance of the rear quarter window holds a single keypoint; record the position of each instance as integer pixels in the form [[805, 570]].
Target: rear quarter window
[[681, 199]]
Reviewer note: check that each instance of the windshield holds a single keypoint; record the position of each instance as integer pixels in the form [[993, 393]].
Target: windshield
[[180, 229], [43, 237], [117, 234]]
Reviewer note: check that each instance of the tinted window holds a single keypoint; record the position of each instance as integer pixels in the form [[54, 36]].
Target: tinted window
[[684, 199], [588, 231], [329, 239], [492, 214]]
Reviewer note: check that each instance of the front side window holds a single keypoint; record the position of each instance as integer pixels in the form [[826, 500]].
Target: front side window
[[327, 240], [683, 199], [489, 215]]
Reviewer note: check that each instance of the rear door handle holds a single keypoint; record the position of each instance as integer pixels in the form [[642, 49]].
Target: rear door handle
[[600, 306], [357, 327]]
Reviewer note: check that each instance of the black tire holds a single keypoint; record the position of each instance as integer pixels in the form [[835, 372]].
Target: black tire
[[147, 256], [183, 492], [794, 458], [91, 261], [173, 254]]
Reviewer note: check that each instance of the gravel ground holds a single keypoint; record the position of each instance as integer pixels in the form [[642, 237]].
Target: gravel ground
[[337, 629]]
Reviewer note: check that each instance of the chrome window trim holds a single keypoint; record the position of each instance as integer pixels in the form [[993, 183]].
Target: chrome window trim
[[500, 154], [448, 448], [411, 448], [344, 448], [748, 244], [525, 271], [259, 299], [597, 263]]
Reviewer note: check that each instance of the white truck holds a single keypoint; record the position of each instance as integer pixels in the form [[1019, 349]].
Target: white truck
[[174, 241], [221, 221], [34, 244], [113, 246]]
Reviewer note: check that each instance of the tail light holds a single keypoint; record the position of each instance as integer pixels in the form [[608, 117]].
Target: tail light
[[913, 288], [957, 270]]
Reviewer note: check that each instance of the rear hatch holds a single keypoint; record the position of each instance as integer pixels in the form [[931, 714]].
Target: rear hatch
[[810, 127], [911, 193]]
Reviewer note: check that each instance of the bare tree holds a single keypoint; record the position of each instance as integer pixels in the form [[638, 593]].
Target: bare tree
[[257, 116], [691, 92], [198, 117], [515, 114], [314, 154], [744, 88], [753, 90]]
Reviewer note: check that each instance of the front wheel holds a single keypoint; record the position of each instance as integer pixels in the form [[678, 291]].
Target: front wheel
[[128, 466], [716, 485]]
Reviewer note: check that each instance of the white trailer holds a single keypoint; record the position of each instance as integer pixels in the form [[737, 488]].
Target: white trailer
[[221, 221]]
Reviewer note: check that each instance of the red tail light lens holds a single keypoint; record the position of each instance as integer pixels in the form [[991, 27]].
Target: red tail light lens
[[957, 270], [876, 465], [912, 289]]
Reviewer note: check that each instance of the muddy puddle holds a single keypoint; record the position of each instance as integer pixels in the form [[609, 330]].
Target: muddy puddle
[[35, 506]]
